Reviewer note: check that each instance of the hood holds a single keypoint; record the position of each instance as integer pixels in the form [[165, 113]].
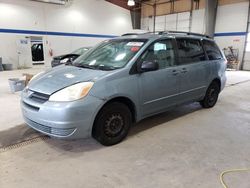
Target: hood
[[62, 76], [60, 57]]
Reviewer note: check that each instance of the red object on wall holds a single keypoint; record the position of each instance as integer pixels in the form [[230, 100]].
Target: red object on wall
[[50, 52]]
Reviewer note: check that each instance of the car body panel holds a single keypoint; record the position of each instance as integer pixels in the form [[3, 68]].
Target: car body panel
[[63, 76], [154, 98], [194, 80]]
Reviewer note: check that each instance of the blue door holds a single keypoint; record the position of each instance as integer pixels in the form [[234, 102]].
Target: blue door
[[159, 89]]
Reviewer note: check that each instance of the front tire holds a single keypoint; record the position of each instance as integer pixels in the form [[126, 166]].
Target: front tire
[[211, 96], [112, 124]]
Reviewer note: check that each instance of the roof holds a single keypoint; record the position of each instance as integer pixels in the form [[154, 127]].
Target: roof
[[151, 35]]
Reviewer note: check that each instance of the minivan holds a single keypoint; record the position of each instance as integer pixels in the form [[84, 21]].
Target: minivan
[[122, 81]]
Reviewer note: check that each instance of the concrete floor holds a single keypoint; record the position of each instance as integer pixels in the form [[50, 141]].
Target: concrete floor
[[187, 147]]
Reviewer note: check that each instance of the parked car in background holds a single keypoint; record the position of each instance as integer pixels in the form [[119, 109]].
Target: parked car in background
[[122, 81], [68, 58]]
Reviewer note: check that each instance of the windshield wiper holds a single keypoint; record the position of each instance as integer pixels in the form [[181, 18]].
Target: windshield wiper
[[103, 67], [99, 67], [85, 66]]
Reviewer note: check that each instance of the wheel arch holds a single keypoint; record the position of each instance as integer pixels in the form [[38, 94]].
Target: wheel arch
[[218, 81], [125, 100]]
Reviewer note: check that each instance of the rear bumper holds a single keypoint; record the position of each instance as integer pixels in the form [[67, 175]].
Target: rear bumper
[[61, 119]]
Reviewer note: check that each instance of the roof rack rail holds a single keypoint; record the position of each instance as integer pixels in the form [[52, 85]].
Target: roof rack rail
[[127, 34], [183, 32]]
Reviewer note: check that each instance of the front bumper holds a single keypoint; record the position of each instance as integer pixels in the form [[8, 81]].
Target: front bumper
[[61, 119]]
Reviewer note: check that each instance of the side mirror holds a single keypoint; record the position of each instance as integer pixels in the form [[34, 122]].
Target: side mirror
[[147, 66]]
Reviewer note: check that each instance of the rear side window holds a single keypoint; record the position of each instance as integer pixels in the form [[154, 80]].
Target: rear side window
[[190, 51], [212, 50]]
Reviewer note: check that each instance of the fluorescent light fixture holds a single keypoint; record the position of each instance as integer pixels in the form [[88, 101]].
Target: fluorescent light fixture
[[75, 16], [58, 2], [131, 3]]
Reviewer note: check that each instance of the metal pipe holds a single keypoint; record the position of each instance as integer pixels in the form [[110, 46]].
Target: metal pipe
[[210, 12], [245, 46], [154, 7], [191, 15]]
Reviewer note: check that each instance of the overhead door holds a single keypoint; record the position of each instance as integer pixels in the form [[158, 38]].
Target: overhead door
[[171, 22]]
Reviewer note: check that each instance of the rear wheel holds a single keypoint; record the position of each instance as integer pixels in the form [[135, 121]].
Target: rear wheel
[[211, 96], [112, 124]]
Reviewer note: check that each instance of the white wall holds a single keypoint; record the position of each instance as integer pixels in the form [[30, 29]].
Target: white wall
[[230, 19], [198, 21], [83, 16]]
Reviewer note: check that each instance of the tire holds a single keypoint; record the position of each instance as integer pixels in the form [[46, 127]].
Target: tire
[[112, 124], [211, 96]]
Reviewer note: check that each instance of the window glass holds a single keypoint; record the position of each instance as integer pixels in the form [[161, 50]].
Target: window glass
[[190, 51], [212, 50], [80, 51], [109, 55], [161, 52]]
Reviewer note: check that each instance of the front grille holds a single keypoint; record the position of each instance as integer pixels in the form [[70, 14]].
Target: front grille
[[50, 130], [39, 97]]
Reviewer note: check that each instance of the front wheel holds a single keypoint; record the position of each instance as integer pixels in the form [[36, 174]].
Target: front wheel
[[211, 96], [112, 124]]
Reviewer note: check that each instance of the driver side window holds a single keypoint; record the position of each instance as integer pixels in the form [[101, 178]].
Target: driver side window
[[161, 52]]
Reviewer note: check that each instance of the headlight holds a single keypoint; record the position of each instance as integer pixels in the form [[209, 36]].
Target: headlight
[[71, 93], [36, 75]]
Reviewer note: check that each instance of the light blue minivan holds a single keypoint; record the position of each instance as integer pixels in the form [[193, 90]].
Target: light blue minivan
[[121, 81]]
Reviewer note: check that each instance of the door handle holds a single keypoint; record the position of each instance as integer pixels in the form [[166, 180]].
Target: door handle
[[183, 70], [175, 72]]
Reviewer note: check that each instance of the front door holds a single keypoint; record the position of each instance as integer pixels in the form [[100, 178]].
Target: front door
[[159, 89]]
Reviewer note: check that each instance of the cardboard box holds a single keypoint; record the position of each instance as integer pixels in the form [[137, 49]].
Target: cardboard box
[[27, 78]]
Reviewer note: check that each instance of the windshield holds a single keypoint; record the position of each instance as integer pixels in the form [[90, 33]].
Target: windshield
[[80, 51], [110, 55]]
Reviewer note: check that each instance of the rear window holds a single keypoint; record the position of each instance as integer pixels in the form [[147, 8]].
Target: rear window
[[190, 51], [212, 50]]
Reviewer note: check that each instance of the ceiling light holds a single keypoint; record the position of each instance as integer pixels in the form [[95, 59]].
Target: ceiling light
[[58, 2], [131, 3]]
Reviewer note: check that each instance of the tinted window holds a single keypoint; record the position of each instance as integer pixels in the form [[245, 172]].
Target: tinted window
[[161, 52], [190, 51], [212, 50]]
